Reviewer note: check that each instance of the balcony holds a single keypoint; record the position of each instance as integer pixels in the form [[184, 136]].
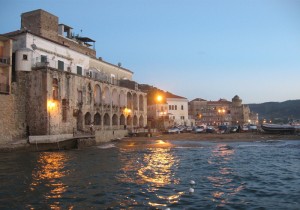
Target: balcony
[[4, 88]]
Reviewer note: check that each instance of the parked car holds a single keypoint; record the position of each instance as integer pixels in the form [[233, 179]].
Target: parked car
[[210, 129], [223, 128], [173, 130], [189, 129], [245, 128], [234, 129], [198, 129], [252, 127]]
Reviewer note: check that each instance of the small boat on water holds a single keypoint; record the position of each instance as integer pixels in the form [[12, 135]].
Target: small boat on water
[[282, 128]]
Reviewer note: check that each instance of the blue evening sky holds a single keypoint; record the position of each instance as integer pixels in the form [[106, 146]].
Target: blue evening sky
[[209, 49]]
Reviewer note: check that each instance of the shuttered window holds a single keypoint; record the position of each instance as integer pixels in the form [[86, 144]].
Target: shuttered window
[[60, 65]]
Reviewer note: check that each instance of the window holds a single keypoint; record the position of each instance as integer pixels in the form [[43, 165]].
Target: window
[[55, 89], [25, 57], [79, 96], [79, 70], [175, 107], [43, 58], [60, 65], [181, 107], [170, 107]]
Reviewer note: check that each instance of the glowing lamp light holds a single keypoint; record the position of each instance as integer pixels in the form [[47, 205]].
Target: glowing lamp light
[[127, 111], [159, 98], [51, 105]]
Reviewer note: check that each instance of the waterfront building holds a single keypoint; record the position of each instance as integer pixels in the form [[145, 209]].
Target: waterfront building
[[221, 112], [177, 109], [62, 87]]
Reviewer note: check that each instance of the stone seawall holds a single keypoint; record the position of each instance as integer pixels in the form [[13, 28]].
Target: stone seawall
[[108, 135]]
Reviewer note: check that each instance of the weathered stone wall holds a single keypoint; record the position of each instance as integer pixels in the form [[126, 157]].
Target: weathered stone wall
[[41, 23], [107, 135], [12, 116]]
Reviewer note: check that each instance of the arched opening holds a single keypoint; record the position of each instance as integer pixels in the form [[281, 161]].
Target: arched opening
[[97, 119], [122, 99], [97, 94], [115, 120], [141, 121], [106, 96], [115, 98], [129, 100], [87, 119], [106, 120], [141, 103], [122, 119], [129, 120], [135, 121], [135, 101]]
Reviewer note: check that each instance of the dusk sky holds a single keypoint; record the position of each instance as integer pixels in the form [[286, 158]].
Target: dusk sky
[[208, 49]]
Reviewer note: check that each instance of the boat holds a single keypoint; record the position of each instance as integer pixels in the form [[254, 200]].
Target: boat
[[276, 128]]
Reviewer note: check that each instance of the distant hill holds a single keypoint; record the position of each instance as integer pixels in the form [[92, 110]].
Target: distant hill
[[277, 111]]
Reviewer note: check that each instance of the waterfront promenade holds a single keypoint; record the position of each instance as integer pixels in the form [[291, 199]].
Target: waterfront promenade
[[22, 144]]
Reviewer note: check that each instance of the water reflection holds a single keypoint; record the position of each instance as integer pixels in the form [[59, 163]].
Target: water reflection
[[222, 181], [49, 172], [153, 170]]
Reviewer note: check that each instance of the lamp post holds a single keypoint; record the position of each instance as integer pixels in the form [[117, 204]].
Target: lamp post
[[50, 106]]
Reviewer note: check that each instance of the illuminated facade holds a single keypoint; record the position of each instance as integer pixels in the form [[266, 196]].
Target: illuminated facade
[[65, 87], [221, 112]]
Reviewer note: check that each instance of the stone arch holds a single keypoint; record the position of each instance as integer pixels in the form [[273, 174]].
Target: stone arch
[[115, 98], [135, 121], [106, 120], [97, 94], [122, 119], [129, 100], [87, 118], [129, 120], [122, 99], [114, 119], [97, 119], [141, 103], [106, 96], [141, 121], [135, 101]]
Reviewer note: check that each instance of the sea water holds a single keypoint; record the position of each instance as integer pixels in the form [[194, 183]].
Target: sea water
[[155, 175]]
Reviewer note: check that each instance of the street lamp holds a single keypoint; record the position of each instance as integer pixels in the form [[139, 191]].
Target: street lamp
[[50, 106]]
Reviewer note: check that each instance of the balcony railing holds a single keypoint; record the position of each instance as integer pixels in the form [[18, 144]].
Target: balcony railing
[[4, 88], [5, 60]]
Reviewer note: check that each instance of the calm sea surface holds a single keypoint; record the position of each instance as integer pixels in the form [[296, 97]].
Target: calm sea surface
[[155, 175]]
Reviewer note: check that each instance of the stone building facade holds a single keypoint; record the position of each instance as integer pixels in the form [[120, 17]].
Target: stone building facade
[[60, 85], [221, 112]]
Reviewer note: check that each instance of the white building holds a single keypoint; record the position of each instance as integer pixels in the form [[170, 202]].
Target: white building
[[177, 109]]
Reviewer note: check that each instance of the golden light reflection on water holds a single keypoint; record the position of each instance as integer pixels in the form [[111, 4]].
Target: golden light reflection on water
[[49, 172], [223, 183], [154, 169]]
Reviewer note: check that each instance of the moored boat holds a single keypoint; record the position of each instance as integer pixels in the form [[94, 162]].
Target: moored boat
[[276, 128]]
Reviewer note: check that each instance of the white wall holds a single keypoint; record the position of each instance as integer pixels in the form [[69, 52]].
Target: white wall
[[55, 52], [179, 112]]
